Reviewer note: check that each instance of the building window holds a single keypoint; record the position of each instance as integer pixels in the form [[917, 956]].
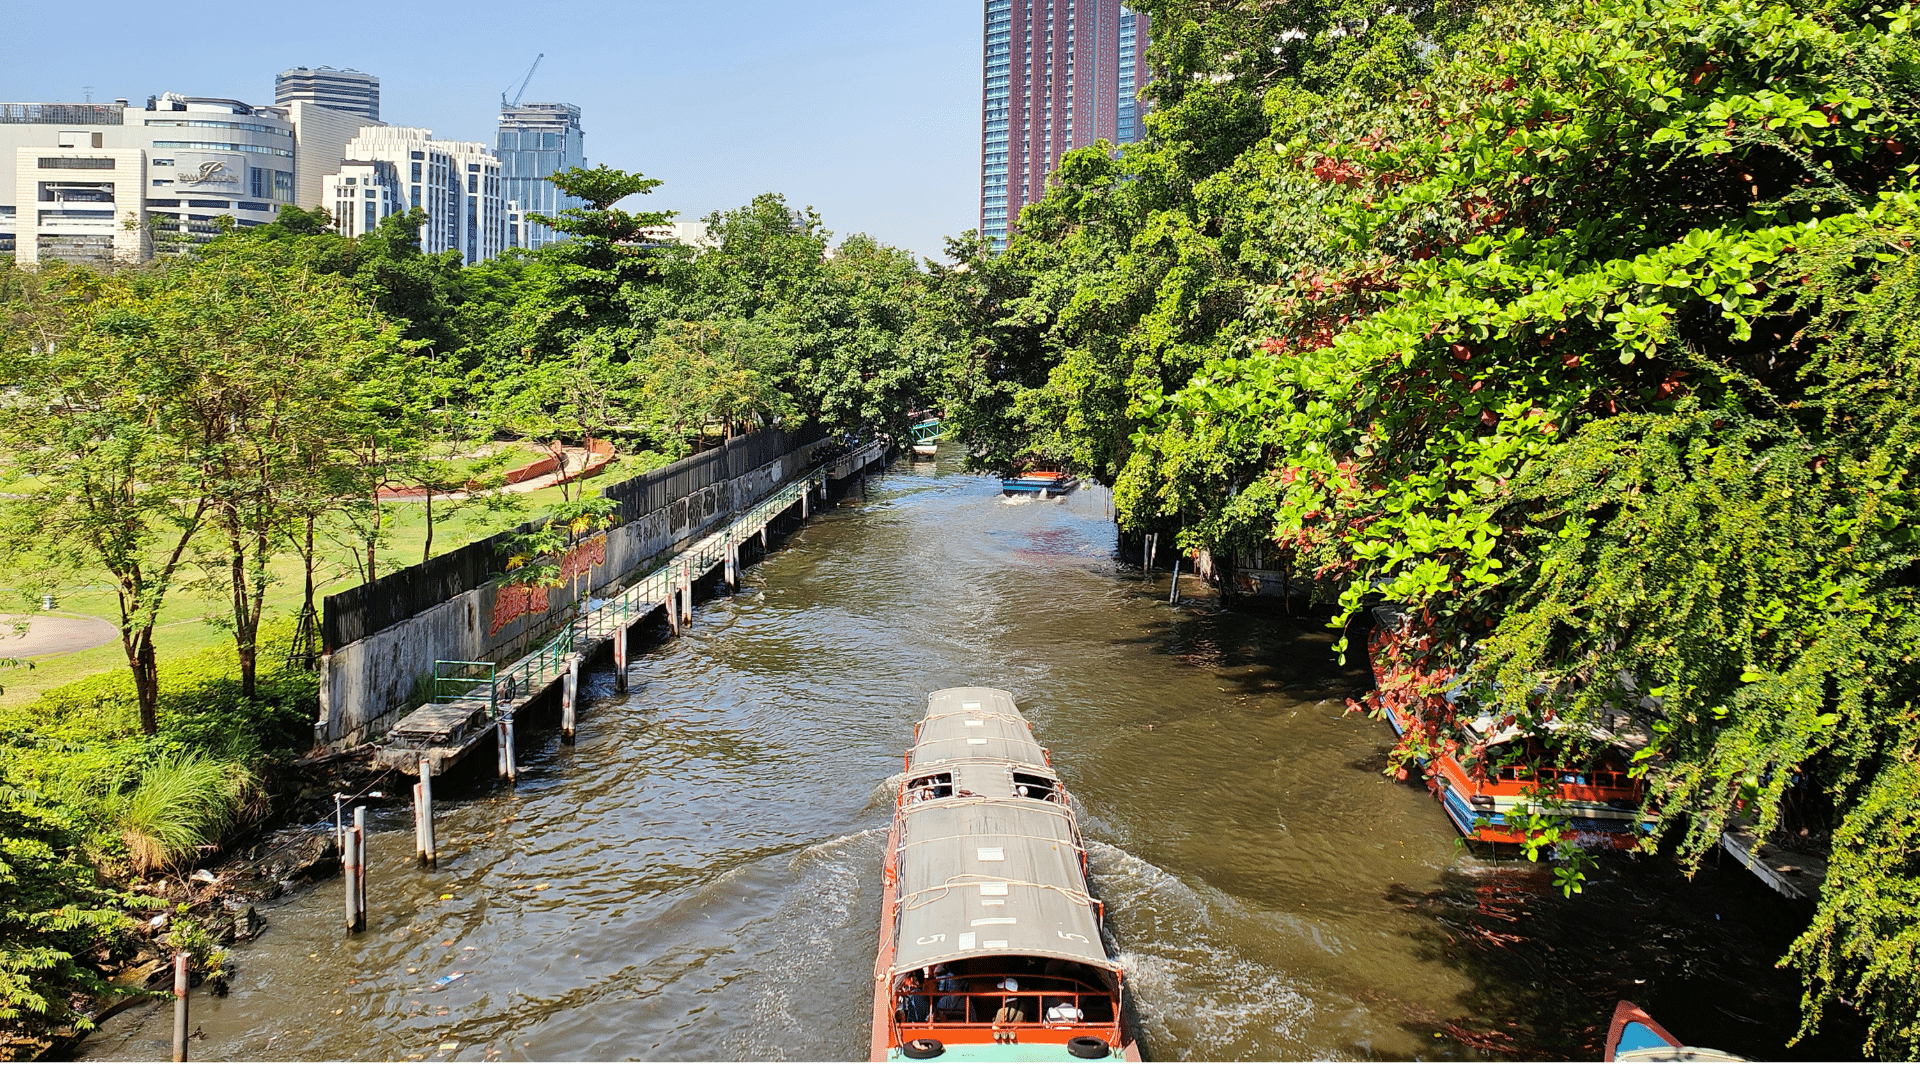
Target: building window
[[282, 187], [373, 214], [76, 163], [258, 189], [416, 196]]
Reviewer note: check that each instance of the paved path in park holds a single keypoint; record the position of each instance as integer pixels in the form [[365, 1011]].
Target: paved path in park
[[49, 634]]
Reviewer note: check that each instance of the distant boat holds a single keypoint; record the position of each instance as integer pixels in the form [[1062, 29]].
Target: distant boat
[[1634, 1036], [927, 435], [1046, 484]]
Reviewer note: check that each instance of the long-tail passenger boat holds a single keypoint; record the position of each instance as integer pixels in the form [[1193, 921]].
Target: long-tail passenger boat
[[990, 943]]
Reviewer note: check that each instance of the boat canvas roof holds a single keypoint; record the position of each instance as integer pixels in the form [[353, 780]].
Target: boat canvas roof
[[988, 878], [952, 740], [973, 699], [973, 723]]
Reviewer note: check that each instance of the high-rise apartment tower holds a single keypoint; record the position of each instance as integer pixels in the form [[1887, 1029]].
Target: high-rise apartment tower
[[536, 141], [1058, 75], [342, 89]]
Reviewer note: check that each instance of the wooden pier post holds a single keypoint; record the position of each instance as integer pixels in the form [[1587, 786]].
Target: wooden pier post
[[806, 494], [763, 541], [506, 736], [620, 656], [686, 593], [672, 608], [428, 850], [349, 873], [568, 688], [180, 1006], [419, 832], [733, 574], [359, 868]]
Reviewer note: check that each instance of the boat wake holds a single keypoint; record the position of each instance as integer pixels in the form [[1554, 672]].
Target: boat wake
[[811, 995], [1193, 987]]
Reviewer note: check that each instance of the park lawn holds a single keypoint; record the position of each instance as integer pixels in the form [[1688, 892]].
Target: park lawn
[[190, 620]]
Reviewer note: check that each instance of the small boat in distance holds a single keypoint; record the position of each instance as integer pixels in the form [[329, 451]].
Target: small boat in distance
[[926, 436], [990, 943], [1043, 483], [1634, 1036]]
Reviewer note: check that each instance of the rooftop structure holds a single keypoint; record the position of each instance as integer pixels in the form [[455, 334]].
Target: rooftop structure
[[341, 89]]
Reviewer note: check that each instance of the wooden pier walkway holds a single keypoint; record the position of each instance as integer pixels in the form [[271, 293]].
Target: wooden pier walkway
[[484, 698]]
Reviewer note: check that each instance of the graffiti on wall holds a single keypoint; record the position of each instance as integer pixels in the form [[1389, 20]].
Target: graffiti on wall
[[513, 601]]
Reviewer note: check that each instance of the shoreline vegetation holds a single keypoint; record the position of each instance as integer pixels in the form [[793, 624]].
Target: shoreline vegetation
[[1584, 332], [195, 449]]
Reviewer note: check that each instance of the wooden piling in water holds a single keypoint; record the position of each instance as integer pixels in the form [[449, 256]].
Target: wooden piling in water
[[429, 852], [620, 656], [569, 687], [180, 1006], [733, 576], [350, 877], [360, 868], [1173, 594], [506, 736]]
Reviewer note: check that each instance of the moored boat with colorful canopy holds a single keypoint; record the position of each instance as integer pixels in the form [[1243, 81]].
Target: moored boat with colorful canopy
[[990, 938]]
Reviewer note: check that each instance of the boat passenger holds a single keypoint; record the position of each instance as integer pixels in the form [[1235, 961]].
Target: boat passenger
[[950, 987], [1011, 1010], [913, 1002]]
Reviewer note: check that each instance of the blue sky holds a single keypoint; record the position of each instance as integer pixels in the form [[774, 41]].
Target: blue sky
[[867, 111]]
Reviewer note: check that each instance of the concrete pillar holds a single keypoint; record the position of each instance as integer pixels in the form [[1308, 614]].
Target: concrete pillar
[[569, 685], [620, 656], [733, 575], [428, 849]]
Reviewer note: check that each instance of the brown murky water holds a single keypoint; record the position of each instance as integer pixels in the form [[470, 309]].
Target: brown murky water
[[698, 877]]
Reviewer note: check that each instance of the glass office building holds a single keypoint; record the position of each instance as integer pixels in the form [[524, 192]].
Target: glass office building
[[536, 141]]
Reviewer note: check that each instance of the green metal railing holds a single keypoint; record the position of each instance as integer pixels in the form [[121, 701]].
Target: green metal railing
[[602, 616], [454, 680]]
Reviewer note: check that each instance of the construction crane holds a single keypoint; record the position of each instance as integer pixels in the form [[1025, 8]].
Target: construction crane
[[504, 103]]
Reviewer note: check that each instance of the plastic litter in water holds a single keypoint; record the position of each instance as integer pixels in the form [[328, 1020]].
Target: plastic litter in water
[[445, 980]]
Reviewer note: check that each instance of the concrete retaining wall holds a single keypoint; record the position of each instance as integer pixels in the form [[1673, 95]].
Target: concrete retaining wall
[[368, 684]]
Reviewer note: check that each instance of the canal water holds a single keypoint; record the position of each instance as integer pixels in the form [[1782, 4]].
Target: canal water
[[698, 877]]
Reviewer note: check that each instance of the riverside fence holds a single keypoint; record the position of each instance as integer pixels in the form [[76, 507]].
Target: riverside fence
[[368, 609]]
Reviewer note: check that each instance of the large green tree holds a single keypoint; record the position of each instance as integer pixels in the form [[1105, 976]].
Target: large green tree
[[1577, 329]]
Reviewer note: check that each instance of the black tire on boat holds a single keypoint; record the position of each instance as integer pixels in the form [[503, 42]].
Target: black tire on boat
[[921, 1049], [1086, 1046]]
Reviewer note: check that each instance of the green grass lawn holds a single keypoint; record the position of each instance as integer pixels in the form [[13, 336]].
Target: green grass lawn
[[190, 621]]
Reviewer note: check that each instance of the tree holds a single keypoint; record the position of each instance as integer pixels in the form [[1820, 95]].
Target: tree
[[272, 357], [109, 433]]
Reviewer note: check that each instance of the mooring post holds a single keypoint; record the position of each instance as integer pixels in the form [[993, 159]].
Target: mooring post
[[733, 575], [620, 656], [506, 734], [806, 492], [1173, 594], [567, 691], [360, 868], [763, 541], [419, 834], [350, 875], [428, 850], [180, 1006], [686, 590]]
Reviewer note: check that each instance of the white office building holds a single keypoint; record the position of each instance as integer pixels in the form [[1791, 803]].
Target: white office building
[[106, 183], [456, 183]]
